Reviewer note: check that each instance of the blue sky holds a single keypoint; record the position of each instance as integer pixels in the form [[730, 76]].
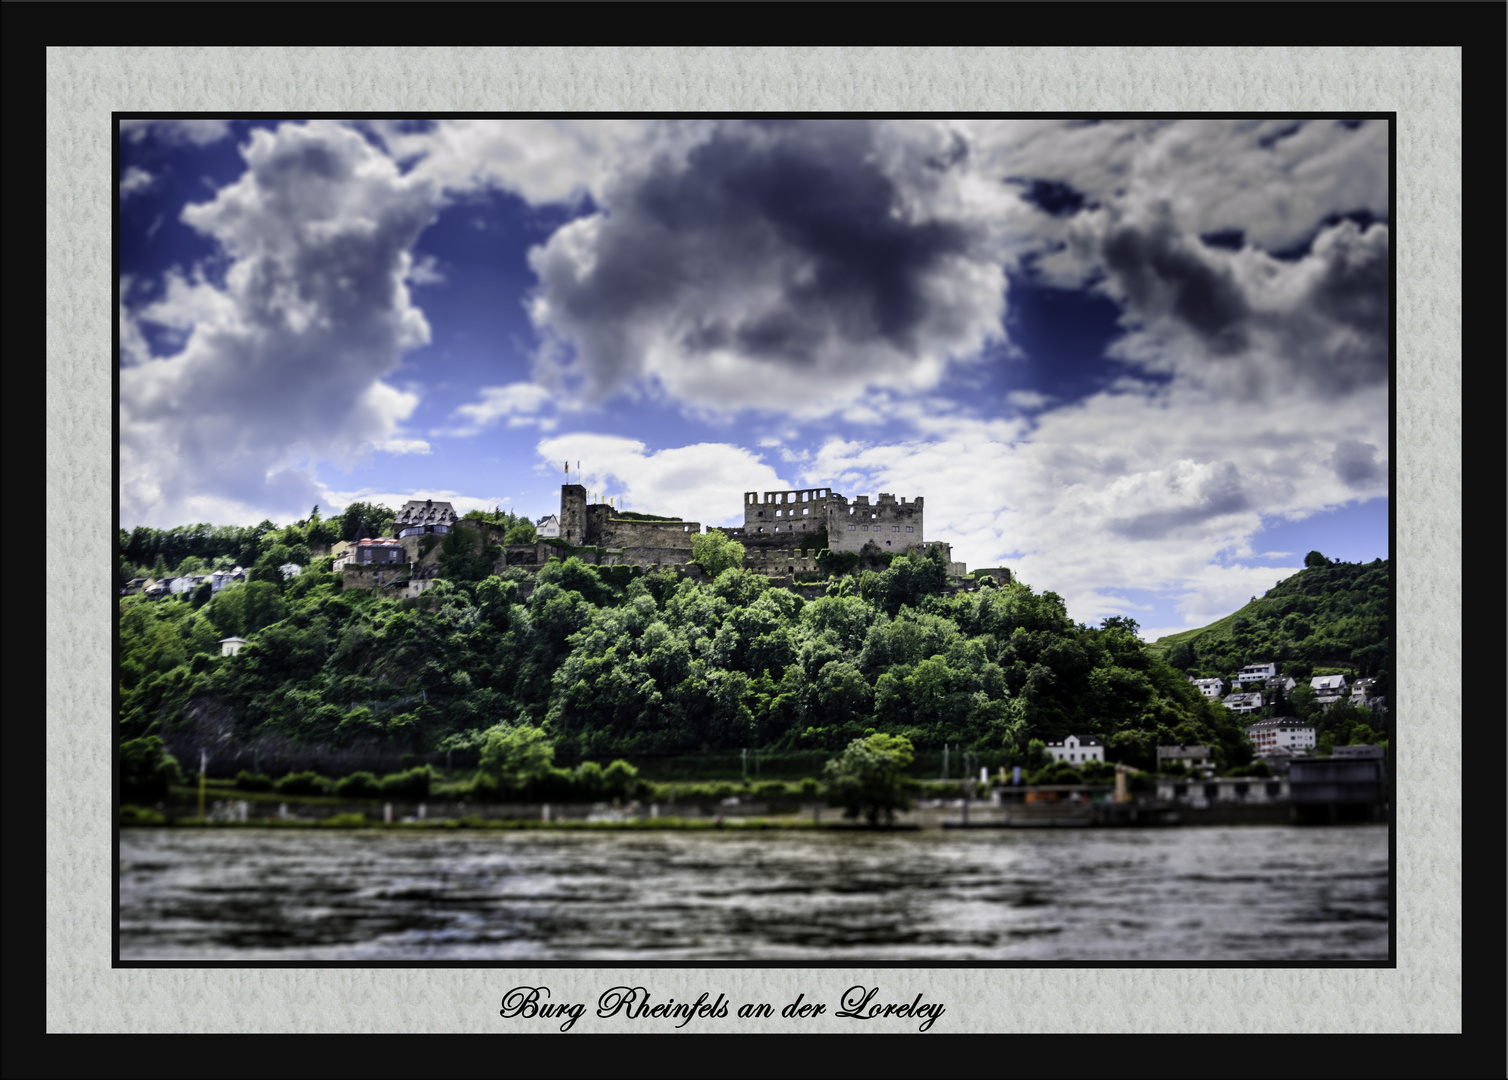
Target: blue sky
[[1142, 363]]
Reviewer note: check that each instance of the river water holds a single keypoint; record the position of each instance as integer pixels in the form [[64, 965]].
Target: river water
[[1243, 893]]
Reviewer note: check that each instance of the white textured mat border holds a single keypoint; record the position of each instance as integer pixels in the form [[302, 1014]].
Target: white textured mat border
[[84, 85]]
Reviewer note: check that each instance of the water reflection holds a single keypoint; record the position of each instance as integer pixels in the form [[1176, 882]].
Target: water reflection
[[1281, 894]]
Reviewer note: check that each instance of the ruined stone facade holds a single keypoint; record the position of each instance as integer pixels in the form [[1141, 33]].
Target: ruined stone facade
[[775, 524], [782, 518]]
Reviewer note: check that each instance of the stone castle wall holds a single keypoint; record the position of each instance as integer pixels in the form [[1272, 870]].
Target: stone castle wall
[[893, 526]]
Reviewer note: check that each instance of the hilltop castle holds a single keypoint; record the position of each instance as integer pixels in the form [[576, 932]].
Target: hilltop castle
[[775, 525]]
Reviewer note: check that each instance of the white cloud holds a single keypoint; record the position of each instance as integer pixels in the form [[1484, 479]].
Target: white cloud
[[540, 160], [703, 278], [282, 362], [135, 180], [704, 482], [518, 403], [1127, 491], [426, 271], [196, 132]]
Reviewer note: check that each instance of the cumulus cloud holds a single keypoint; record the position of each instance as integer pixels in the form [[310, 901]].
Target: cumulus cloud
[[1125, 491], [283, 359], [517, 403], [1244, 320], [1216, 176], [195, 132], [702, 483], [134, 181], [775, 265], [539, 160], [1356, 464]]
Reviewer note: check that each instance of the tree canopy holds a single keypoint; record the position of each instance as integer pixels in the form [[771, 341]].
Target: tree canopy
[[869, 779]]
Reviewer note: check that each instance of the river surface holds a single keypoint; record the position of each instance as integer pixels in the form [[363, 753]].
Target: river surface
[[1245, 893]]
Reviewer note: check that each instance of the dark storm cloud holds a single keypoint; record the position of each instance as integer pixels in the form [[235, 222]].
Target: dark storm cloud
[[1217, 494], [1159, 273], [1356, 464], [1363, 219], [800, 245], [1320, 319]]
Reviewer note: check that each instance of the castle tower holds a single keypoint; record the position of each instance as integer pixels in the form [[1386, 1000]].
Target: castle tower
[[573, 513]]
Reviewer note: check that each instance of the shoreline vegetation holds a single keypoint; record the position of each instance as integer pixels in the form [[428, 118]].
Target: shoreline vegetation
[[609, 685]]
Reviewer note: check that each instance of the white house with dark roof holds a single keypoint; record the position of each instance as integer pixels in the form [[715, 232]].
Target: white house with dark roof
[[424, 516], [1077, 749], [1257, 672], [1279, 684], [1328, 688], [548, 526], [1244, 703], [1210, 688], [1287, 733], [229, 646]]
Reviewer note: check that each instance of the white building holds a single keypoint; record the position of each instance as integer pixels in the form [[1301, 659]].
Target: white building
[[548, 526], [418, 518], [221, 578], [229, 646], [1361, 693], [1187, 757], [1210, 688], [1328, 688], [1280, 684], [1257, 673], [1077, 749], [1244, 703], [1281, 733], [1224, 789], [383, 550]]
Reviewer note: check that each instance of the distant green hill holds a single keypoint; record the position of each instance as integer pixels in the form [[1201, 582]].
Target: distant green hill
[[1327, 618]]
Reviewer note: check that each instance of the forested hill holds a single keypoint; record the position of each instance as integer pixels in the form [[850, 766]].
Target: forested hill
[[1330, 615], [616, 662]]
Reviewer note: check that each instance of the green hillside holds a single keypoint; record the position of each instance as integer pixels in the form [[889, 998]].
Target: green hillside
[[1330, 617]]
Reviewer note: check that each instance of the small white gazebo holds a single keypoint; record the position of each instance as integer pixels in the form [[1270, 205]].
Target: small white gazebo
[[229, 646]]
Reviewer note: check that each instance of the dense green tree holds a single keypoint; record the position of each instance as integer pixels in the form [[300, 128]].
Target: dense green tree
[[146, 770], [869, 779], [714, 551], [516, 757]]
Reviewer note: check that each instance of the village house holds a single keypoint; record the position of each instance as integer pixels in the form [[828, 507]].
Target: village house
[[1210, 688], [1256, 673], [231, 645], [548, 526], [1328, 689], [1279, 685], [382, 550], [1281, 733], [418, 518], [1361, 694], [1184, 757], [1244, 703], [1077, 749]]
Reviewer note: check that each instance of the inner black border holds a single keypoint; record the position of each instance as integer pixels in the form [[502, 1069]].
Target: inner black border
[[846, 962]]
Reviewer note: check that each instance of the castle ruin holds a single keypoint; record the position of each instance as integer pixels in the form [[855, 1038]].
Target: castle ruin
[[776, 524]]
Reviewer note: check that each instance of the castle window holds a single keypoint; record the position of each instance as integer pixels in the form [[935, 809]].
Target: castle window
[[887, 543], [851, 528], [895, 528], [807, 511], [910, 529]]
